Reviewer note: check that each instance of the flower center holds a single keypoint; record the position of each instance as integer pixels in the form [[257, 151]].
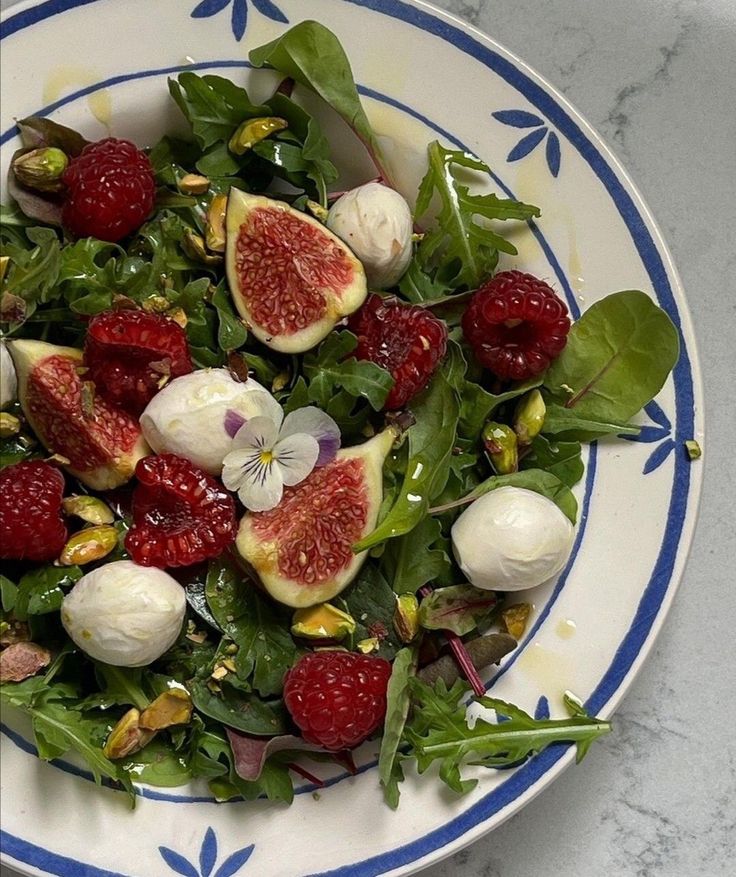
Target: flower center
[[266, 458]]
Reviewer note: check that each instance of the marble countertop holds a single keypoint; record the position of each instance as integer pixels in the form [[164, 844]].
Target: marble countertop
[[655, 77]]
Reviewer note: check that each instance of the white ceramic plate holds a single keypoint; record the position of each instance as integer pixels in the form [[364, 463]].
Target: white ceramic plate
[[101, 65]]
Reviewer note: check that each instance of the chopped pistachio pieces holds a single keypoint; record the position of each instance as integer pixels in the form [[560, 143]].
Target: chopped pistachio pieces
[[127, 736], [252, 131], [89, 508], [193, 184], [323, 621], [88, 545], [529, 416], [9, 425], [173, 707], [515, 618], [502, 446], [366, 646], [406, 617], [693, 449]]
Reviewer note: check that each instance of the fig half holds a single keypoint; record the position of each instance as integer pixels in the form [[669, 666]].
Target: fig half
[[290, 277], [302, 550], [101, 442]]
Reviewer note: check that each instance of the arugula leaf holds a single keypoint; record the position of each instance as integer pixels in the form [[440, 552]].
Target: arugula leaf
[[371, 603], [311, 55], [398, 701], [419, 557], [33, 273], [617, 357], [438, 730], [568, 425], [531, 479], [431, 441], [562, 459], [459, 608], [458, 251], [122, 685], [40, 591], [257, 626]]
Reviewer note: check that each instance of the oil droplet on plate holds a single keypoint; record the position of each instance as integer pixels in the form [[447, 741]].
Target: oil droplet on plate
[[566, 628], [69, 76], [551, 672]]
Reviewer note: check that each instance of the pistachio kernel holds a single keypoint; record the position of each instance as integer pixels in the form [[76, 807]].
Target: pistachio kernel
[[214, 232], [88, 545], [502, 446], [406, 617], [193, 184], [280, 381], [178, 315], [252, 131], [193, 245], [219, 673], [323, 621], [127, 736], [515, 619], [317, 210], [4, 263], [41, 169], [529, 416], [89, 508], [173, 707], [156, 304], [366, 646], [693, 449], [9, 425]]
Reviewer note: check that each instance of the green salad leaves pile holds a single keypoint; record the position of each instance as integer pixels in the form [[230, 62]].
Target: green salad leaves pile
[[236, 645]]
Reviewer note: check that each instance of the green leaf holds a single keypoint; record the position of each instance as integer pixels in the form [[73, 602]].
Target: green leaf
[[8, 594], [122, 685], [459, 608], [371, 603], [257, 626], [157, 764], [541, 482], [398, 701], [232, 334], [567, 425], [42, 590], [478, 404], [33, 273], [562, 459], [617, 357], [311, 55], [419, 557], [247, 713], [458, 250], [431, 441]]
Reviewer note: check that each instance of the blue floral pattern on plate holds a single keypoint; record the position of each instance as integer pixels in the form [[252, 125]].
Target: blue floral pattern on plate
[[530, 141], [659, 432], [239, 12], [208, 854]]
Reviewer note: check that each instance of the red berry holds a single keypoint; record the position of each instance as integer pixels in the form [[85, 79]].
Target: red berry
[[31, 523], [181, 515], [111, 190], [337, 699], [404, 339], [131, 354], [516, 325]]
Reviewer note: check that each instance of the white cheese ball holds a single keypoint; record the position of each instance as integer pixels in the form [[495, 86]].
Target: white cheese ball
[[376, 223], [189, 417], [512, 539], [124, 614], [8, 380]]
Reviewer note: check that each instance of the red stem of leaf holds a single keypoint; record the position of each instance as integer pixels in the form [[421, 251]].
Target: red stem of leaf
[[461, 655], [297, 768]]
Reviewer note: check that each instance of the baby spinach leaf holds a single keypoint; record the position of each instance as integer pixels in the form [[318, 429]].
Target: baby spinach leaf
[[562, 459], [459, 608], [431, 441], [41, 590], [311, 55], [8, 594], [398, 701], [617, 357], [158, 764], [372, 603], [232, 334], [257, 626], [478, 404], [244, 712], [419, 557], [567, 425]]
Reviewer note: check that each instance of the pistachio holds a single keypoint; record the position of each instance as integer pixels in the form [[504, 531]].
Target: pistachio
[[214, 232], [529, 416], [193, 184], [193, 246], [515, 619], [406, 617], [178, 315], [9, 425], [317, 210], [41, 169], [127, 736], [280, 381], [173, 707], [13, 631], [252, 131], [89, 508], [502, 446], [367, 646], [4, 262], [218, 673], [693, 449], [156, 304], [88, 545], [323, 621]]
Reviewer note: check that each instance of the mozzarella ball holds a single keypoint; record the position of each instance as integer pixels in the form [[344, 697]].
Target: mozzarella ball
[[197, 415], [512, 539], [8, 380], [375, 222], [124, 614]]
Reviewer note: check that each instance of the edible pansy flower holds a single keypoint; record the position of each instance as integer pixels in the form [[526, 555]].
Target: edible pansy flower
[[270, 453]]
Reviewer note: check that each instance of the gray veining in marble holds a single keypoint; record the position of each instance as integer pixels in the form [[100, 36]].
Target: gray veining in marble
[[658, 797]]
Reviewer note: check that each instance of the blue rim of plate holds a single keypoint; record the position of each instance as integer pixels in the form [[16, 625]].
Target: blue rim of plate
[[658, 586]]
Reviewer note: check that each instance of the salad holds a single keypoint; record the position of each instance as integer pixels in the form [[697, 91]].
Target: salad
[[274, 458]]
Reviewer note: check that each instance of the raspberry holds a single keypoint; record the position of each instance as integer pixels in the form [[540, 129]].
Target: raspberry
[[131, 354], [110, 190], [516, 325], [337, 699], [181, 515], [31, 524], [404, 339]]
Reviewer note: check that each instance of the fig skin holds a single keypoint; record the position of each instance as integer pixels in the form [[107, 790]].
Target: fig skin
[[242, 206], [264, 553]]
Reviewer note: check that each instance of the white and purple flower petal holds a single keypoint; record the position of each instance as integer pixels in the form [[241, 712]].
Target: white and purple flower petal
[[256, 477], [296, 456], [313, 421]]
